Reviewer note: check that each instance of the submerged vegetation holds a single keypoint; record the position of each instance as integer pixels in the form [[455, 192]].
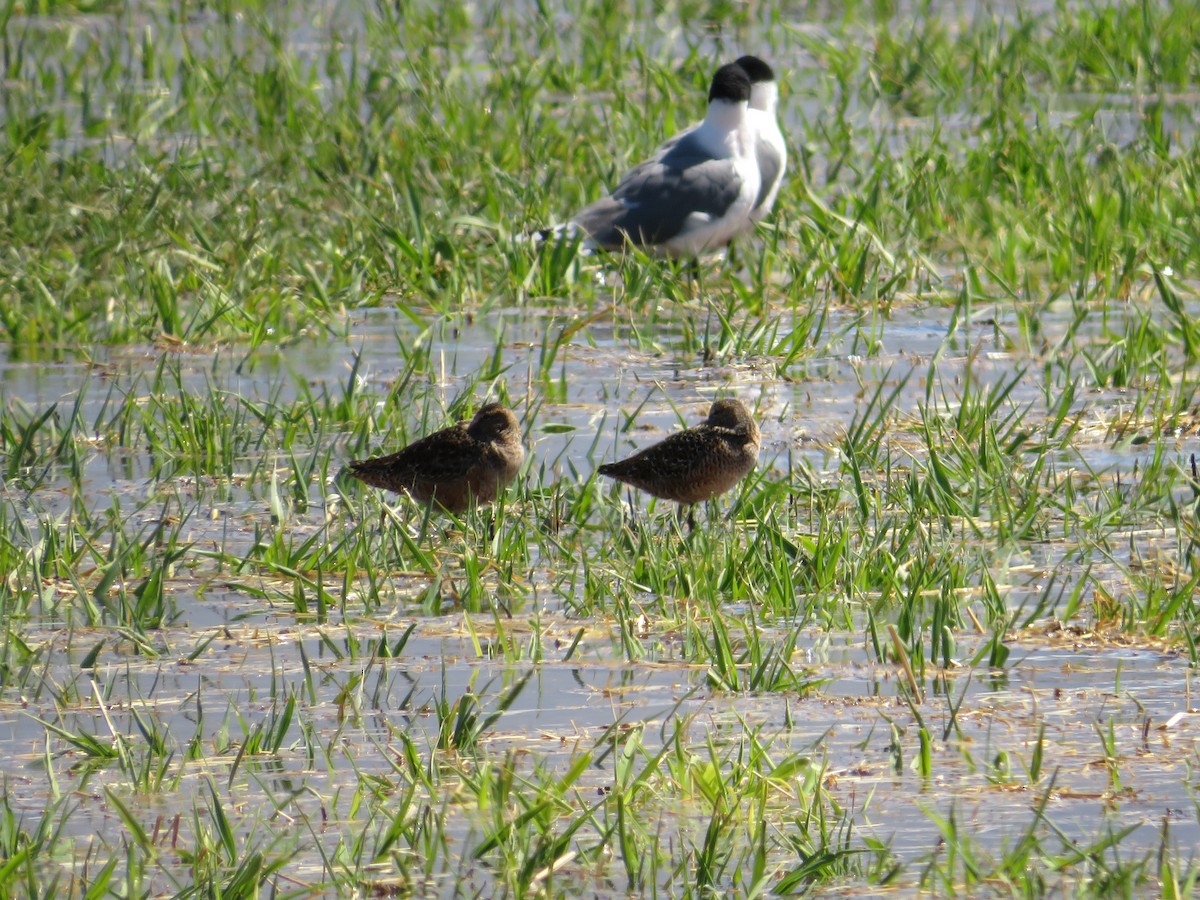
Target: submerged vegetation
[[942, 636]]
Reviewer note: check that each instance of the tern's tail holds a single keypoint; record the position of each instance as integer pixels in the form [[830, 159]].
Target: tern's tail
[[566, 235]]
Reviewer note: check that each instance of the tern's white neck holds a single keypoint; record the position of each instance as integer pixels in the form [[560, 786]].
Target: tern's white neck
[[724, 116], [764, 95]]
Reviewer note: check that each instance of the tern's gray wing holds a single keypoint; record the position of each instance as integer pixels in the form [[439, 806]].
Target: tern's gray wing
[[653, 202], [770, 162]]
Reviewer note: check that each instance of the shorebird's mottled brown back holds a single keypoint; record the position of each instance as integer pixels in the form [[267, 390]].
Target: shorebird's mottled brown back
[[698, 463], [455, 465]]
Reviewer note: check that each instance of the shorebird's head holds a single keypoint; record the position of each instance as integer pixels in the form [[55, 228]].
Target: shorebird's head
[[731, 414], [494, 422], [764, 92]]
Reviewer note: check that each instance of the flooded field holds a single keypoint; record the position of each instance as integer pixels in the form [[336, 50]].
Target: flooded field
[[941, 639]]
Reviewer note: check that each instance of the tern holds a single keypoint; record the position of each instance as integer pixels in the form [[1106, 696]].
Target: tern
[[697, 192]]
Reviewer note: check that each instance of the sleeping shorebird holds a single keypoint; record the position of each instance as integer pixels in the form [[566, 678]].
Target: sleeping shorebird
[[695, 464], [454, 466]]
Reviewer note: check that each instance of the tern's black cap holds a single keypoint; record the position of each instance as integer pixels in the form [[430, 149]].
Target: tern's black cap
[[758, 70], [730, 83]]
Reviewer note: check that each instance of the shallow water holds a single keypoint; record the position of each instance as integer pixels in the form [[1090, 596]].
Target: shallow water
[[356, 706], [981, 774]]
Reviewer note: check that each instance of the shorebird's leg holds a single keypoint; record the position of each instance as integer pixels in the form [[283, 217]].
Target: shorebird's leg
[[426, 517], [691, 515], [387, 511]]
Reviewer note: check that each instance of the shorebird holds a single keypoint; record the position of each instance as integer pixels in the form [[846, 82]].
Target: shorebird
[[696, 193], [695, 464], [454, 466]]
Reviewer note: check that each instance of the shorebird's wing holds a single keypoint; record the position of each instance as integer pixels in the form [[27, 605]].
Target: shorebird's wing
[[446, 455]]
